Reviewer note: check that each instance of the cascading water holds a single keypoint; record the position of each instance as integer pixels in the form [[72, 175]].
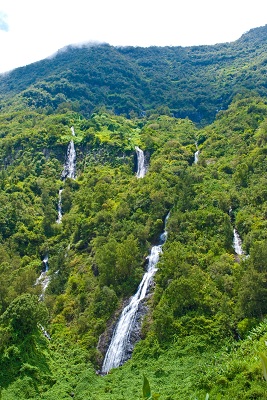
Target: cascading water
[[237, 243], [118, 348], [43, 279], [70, 165], [72, 131], [196, 155], [69, 171], [141, 168], [59, 207]]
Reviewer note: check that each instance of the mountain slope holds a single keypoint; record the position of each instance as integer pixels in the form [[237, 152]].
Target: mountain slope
[[205, 296], [192, 82], [205, 323]]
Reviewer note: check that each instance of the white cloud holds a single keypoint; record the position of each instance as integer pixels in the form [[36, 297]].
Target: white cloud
[[39, 28], [3, 22]]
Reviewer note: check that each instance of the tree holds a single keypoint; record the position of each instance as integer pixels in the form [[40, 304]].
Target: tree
[[24, 314], [105, 257], [252, 295], [128, 258]]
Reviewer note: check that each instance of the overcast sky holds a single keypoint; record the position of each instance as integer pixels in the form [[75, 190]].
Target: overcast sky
[[31, 30]]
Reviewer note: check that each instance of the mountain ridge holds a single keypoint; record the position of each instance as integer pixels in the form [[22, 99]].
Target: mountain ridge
[[193, 82]]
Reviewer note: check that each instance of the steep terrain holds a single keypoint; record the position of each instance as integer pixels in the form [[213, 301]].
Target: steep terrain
[[205, 326], [194, 82]]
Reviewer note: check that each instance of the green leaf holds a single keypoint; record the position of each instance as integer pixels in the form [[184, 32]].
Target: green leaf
[[264, 365], [207, 396], [155, 396], [146, 389]]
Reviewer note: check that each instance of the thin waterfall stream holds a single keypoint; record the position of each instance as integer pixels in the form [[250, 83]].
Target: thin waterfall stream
[[43, 279], [70, 165], [59, 207], [69, 171], [196, 155], [117, 352], [141, 167], [237, 243]]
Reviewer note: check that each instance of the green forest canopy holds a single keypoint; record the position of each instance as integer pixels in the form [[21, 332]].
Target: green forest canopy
[[206, 326]]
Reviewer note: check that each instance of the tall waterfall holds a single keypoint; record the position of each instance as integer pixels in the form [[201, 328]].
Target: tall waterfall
[[237, 243], [69, 171], [70, 165], [141, 168], [43, 279], [119, 345]]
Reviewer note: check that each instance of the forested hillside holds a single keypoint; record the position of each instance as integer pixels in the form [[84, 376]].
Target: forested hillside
[[74, 239], [194, 82]]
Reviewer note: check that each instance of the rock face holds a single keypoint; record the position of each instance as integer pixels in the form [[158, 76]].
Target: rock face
[[105, 338], [135, 336]]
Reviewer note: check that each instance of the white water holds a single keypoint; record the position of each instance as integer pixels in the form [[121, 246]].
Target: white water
[[72, 131], [70, 165], [43, 279], [59, 207], [45, 333], [196, 157], [237, 243], [115, 355], [141, 168], [69, 171]]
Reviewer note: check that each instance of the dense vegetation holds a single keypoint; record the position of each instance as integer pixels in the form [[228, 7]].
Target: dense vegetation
[[206, 325], [194, 82]]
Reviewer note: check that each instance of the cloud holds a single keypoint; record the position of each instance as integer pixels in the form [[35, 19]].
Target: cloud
[[33, 30], [3, 24]]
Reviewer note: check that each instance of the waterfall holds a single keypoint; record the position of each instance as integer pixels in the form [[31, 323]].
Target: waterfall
[[45, 261], [141, 168], [70, 165], [119, 345], [196, 155], [43, 279], [45, 333], [59, 206], [237, 243], [69, 171]]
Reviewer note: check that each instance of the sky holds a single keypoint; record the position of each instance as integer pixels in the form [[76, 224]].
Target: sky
[[31, 30]]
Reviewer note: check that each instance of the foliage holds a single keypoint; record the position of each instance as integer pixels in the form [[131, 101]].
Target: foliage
[[24, 314], [205, 326], [195, 82], [147, 391], [264, 365]]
